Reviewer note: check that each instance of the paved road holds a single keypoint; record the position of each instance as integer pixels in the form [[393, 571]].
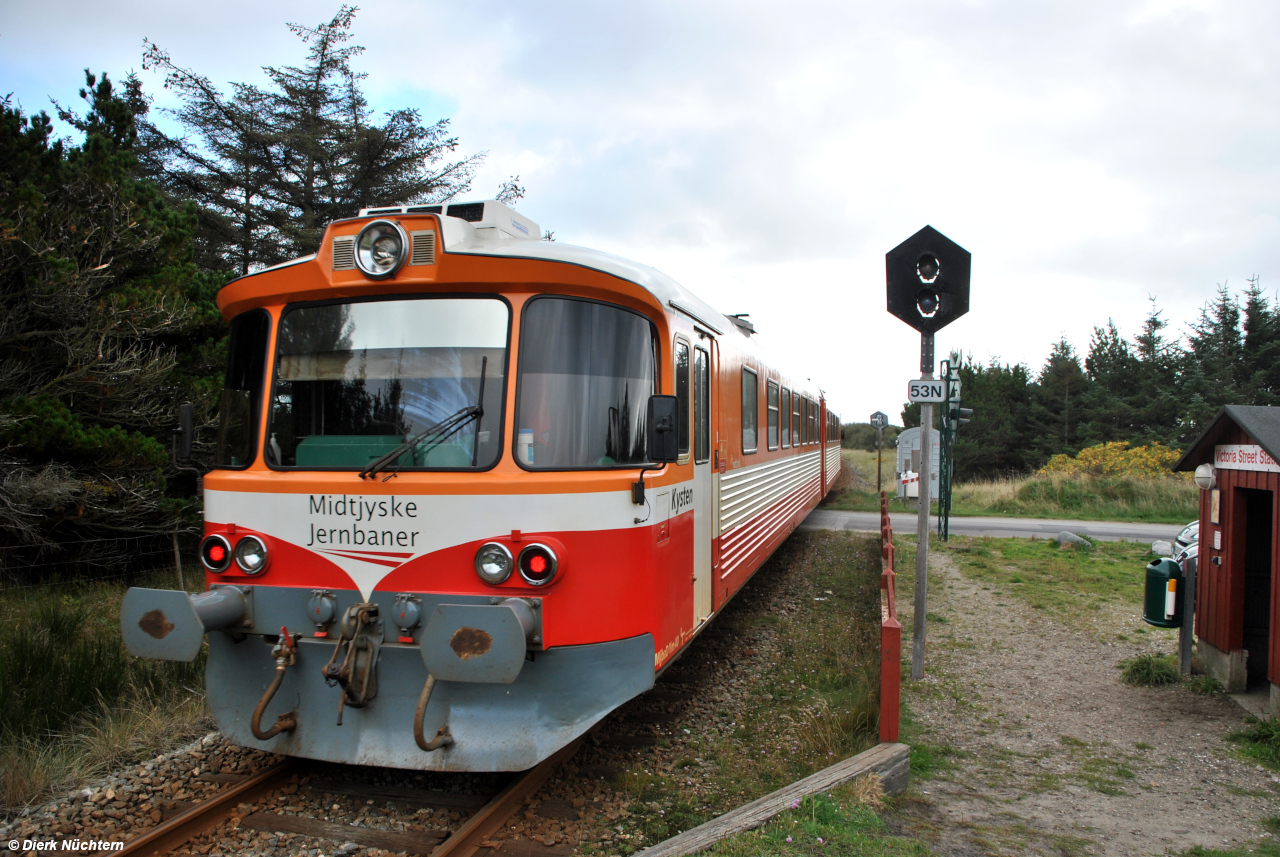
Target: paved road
[[905, 522]]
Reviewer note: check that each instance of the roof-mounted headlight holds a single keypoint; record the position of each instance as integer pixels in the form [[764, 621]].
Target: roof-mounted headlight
[[381, 249]]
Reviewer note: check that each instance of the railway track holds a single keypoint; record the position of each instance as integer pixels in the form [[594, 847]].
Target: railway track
[[228, 807]]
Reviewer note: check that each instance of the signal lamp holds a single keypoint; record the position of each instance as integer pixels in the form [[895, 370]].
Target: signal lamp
[[538, 565], [215, 553], [494, 563], [927, 301], [381, 249], [927, 268], [960, 416], [251, 555]]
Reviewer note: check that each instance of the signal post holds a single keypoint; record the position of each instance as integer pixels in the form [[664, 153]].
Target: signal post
[[927, 286]]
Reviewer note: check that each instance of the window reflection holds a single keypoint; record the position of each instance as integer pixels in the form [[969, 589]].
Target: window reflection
[[587, 371], [354, 381]]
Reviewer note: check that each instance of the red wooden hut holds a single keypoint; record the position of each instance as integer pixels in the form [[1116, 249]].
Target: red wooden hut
[[1238, 599]]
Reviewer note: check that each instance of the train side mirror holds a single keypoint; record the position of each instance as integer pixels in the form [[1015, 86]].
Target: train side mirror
[[663, 440], [664, 435], [184, 434]]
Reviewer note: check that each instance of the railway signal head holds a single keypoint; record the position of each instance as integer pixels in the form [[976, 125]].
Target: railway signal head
[[928, 280], [879, 420], [960, 416]]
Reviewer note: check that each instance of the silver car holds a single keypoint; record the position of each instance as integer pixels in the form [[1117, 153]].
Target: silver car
[[1190, 535]]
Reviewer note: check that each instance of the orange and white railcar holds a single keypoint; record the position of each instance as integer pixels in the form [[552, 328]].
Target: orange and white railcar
[[424, 502]]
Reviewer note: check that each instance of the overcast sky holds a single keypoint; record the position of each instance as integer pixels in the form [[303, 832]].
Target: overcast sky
[[1090, 155]]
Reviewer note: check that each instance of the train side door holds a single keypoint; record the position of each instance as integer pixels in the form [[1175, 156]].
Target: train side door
[[704, 505]]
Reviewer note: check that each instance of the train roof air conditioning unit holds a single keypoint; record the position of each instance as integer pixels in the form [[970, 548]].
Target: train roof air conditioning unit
[[491, 219]]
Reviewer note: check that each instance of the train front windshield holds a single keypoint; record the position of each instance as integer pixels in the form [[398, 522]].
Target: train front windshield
[[587, 370], [357, 381]]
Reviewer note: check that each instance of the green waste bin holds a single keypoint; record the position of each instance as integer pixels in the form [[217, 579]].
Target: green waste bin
[[1164, 590]]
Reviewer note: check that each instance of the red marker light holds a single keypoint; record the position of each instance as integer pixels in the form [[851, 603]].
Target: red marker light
[[217, 553], [537, 564]]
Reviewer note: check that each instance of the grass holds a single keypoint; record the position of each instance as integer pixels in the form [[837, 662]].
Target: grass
[[76, 704], [1073, 586], [1259, 849], [1150, 670], [1260, 743], [841, 822], [816, 703], [1073, 497], [1205, 685]]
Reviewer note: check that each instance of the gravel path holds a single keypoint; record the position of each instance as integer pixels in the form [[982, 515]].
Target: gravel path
[[1053, 754]]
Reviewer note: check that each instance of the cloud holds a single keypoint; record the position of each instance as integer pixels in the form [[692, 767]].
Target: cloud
[[1089, 154]]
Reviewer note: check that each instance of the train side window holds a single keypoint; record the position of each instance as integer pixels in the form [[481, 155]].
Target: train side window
[[786, 417], [701, 413], [771, 402], [242, 391], [796, 439], [750, 410], [682, 393]]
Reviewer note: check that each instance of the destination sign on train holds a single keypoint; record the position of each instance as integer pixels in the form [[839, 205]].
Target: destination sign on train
[[927, 390]]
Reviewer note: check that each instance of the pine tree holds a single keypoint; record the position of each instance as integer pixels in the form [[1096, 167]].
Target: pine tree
[[1157, 399], [999, 440], [1056, 407], [1107, 406], [271, 166], [100, 292], [1261, 349], [1214, 366]]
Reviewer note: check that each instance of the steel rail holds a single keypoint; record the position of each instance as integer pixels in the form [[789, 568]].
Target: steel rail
[[465, 841], [207, 814]]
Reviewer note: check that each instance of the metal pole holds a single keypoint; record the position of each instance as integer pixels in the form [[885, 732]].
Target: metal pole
[[879, 455], [177, 558], [922, 522], [1186, 634]]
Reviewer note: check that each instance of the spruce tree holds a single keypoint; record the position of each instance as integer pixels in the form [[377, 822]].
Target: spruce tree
[[1261, 349], [270, 166], [1214, 365], [1057, 403], [1000, 439]]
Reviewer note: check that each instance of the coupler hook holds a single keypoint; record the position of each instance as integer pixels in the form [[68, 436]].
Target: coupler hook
[[443, 738], [341, 673], [285, 653]]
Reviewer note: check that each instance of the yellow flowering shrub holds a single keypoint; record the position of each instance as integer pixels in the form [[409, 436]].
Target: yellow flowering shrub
[[1116, 459]]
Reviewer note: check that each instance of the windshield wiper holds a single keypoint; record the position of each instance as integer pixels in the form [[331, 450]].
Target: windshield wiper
[[439, 432]]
